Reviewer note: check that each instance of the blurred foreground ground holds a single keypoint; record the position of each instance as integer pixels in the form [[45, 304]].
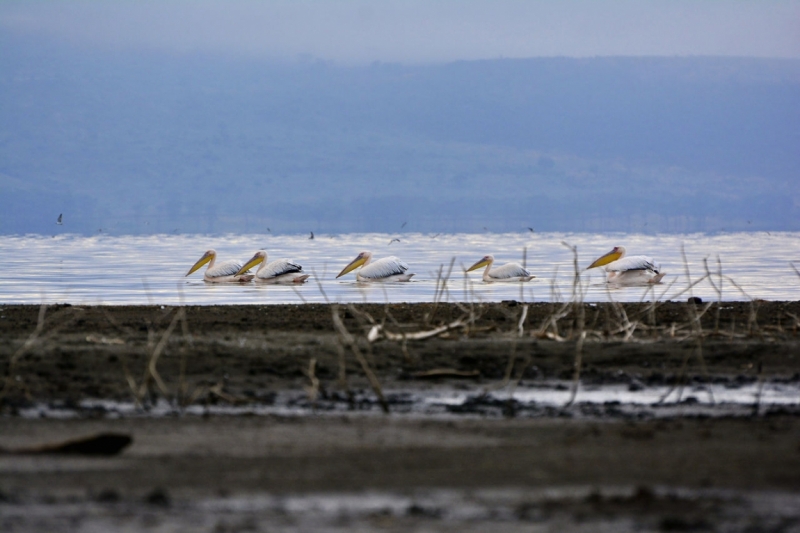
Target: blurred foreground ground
[[335, 462]]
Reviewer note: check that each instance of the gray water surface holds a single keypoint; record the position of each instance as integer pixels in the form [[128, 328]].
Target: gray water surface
[[151, 269]]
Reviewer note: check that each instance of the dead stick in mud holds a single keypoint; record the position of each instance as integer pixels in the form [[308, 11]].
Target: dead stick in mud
[[687, 289], [183, 386], [152, 371], [403, 345], [576, 379], [551, 321], [12, 362], [685, 364], [188, 343], [717, 289], [650, 310], [697, 332], [217, 391], [113, 321], [360, 317], [626, 325], [348, 339], [131, 381], [36, 336], [313, 389], [512, 358], [441, 285], [759, 390], [521, 323], [343, 371], [521, 373], [752, 319], [580, 319], [686, 269], [795, 324]]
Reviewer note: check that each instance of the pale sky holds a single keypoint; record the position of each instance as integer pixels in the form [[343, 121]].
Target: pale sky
[[420, 31]]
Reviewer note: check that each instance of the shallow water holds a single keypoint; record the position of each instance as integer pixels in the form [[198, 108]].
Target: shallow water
[[151, 269], [501, 510], [547, 398]]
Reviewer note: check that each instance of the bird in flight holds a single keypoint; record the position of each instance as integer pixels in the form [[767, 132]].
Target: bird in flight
[[312, 236], [394, 240], [60, 220]]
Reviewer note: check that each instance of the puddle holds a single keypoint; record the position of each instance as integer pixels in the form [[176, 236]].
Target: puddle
[[542, 399]]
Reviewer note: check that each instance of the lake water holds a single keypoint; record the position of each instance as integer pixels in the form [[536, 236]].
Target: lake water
[[151, 269]]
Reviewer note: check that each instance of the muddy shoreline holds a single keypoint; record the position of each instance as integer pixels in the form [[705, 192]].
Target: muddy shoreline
[[94, 351], [462, 471]]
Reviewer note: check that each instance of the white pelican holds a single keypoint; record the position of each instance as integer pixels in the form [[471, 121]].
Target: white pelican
[[280, 271], [224, 272], [633, 270], [507, 272], [385, 269]]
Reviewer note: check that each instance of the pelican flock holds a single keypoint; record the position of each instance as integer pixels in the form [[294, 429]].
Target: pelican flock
[[384, 269], [222, 273], [628, 270], [507, 272], [620, 268], [280, 271]]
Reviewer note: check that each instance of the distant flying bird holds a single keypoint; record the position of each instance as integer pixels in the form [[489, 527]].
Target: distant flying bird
[[394, 240], [632, 270], [385, 269], [507, 272], [222, 273], [60, 220], [530, 229], [404, 225], [312, 236], [280, 271]]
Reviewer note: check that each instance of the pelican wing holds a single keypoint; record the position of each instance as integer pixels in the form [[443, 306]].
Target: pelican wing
[[383, 268], [278, 267], [509, 270], [227, 268], [634, 262]]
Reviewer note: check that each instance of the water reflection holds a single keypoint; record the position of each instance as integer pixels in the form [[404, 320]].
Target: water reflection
[[151, 269]]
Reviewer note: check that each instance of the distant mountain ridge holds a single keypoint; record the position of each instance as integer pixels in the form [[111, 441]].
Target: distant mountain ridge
[[132, 143]]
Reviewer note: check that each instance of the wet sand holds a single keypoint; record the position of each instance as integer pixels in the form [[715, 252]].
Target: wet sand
[[349, 467]]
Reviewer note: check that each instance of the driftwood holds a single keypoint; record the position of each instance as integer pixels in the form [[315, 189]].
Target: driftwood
[[377, 331], [101, 444]]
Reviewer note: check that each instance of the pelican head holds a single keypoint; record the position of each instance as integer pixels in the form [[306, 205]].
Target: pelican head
[[486, 260], [259, 257], [208, 256], [617, 253], [361, 259]]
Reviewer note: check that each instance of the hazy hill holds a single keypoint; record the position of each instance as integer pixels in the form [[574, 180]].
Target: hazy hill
[[141, 143]]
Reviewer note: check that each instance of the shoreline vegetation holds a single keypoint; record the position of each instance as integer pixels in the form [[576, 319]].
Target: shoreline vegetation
[[187, 354], [350, 468]]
